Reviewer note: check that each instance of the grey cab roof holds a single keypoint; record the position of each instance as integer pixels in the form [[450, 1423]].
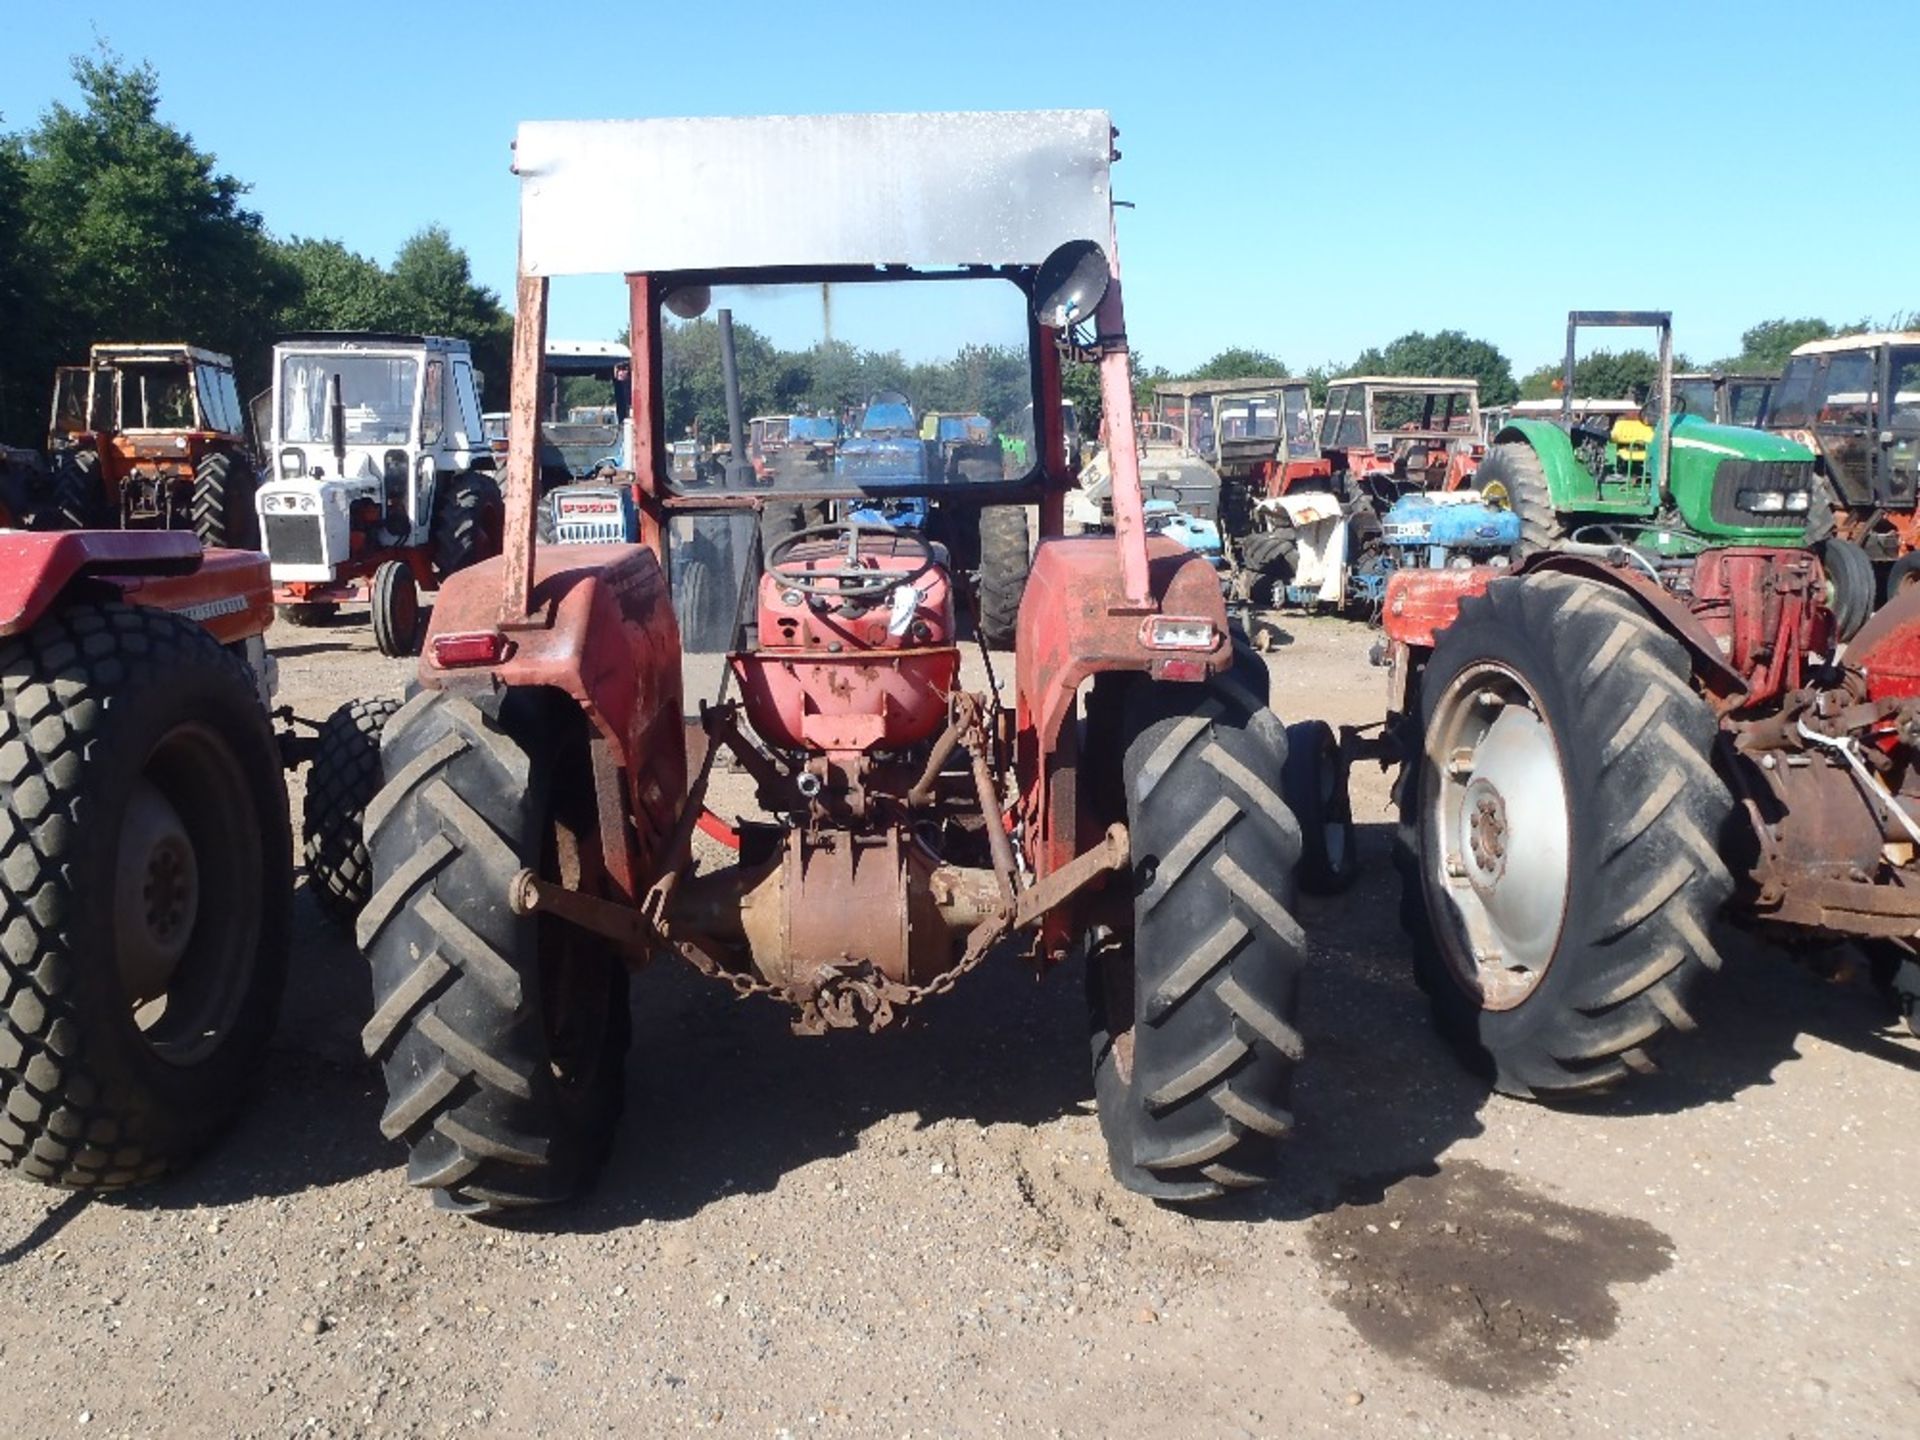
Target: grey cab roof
[[1250, 385], [372, 339], [988, 188]]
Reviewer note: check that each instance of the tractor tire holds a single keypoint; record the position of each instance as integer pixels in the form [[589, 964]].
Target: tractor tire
[[1192, 1037], [74, 501], [341, 783], [222, 505], [1236, 507], [1006, 555], [1314, 782], [307, 613], [502, 1036], [394, 600], [1593, 888], [466, 522], [1271, 554], [1852, 586], [1511, 468], [1903, 574], [699, 597], [145, 880]]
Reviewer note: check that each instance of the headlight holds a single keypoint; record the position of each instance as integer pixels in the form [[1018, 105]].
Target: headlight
[[1799, 500], [293, 462], [1763, 502]]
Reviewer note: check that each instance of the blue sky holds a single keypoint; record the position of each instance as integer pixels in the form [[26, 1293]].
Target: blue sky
[[1309, 179]]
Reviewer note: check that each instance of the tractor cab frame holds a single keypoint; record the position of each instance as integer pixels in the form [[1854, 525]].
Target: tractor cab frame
[[1405, 431]]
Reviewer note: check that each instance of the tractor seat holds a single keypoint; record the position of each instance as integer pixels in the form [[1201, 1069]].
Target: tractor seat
[[1631, 438]]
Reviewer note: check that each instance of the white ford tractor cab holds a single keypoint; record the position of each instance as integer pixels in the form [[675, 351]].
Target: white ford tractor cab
[[382, 481]]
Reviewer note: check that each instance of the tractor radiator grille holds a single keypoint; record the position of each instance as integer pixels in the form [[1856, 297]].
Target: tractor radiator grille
[[294, 540], [1759, 476]]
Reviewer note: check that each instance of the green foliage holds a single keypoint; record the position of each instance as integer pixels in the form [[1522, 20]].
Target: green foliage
[[1765, 347], [337, 289], [1240, 363], [126, 230], [1602, 375], [1447, 353]]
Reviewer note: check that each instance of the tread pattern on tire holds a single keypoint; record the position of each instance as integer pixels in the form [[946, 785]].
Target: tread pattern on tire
[[1514, 464], [463, 514], [454, 1027], [341, 782], [74, 501], [1216, 951], [68, 1115], [221, 510], [1641, 921], [1006, 555]]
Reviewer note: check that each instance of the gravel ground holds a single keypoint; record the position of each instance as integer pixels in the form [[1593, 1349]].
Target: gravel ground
[[915, 1234]]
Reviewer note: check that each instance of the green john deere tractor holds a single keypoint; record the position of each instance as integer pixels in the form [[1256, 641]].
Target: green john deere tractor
[[1669, 486]]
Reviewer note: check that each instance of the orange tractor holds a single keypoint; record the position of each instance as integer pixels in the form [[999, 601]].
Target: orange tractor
[[894, 820], [151, 436]]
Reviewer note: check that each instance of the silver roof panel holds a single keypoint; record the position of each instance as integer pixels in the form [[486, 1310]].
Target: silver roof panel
[[969, 188]]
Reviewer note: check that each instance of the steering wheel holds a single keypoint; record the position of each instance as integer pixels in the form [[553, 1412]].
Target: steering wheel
[[850, 579]]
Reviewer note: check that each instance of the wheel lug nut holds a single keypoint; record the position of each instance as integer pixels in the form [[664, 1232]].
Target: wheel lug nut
[[1490, 699], [1456, 869]]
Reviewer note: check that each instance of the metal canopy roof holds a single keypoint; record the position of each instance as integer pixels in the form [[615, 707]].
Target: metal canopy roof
[[986, 188], [1860, 342], [1409, 382], [1249, 385]]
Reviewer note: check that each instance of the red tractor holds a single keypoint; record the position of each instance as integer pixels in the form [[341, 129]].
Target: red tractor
[[1606, 754], [145, 860], [536, 835]]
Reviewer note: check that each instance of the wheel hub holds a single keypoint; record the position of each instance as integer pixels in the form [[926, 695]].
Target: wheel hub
[[156, 893]]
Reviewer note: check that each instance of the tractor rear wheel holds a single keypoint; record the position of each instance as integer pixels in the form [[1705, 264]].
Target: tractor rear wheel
[[466, 522], [1560, 850], [502, 1036], [394, 598], [222, 505], [1904, 574], [74, 501], [1006, 555], [145, 876], [341, 783], [1193, 1036], [1512, 471]]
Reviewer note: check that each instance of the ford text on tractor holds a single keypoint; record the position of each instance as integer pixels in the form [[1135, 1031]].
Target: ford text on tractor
[[145, 855], [150, 437], [382, 481], [535, 837], [1855, 401]]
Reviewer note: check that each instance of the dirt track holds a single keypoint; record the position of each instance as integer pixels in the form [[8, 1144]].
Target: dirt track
[[916, 1234]]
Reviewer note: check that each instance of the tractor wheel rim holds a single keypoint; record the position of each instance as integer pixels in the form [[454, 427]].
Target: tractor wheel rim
[[1503, 826], [156, 893]]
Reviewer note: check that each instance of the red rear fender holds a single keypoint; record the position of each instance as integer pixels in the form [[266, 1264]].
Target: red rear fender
[[225, 590]]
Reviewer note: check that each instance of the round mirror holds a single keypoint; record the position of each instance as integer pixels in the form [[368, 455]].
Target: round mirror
[[1070, 284], [689, 302]]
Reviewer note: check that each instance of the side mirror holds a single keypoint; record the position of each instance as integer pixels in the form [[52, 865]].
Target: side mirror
[[689, 302], [1070, 284]]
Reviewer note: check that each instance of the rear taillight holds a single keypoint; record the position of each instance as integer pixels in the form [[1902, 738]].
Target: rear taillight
[[473, 647], [1179, 632]]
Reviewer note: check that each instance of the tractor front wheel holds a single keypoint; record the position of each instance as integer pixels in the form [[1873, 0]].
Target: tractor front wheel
[[341, 783], [502, 1036], [145, 875], [1561, 851], [1314, 782], [222, 506], [1193, 1037], [74, 501], [395, 602]]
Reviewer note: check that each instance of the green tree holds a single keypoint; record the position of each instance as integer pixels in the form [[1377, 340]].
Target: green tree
[[136, 233], [433, 292], [1239, 363], [1447, 353], [1764, 348], [22, 393], [1603, 375], [337, 289]]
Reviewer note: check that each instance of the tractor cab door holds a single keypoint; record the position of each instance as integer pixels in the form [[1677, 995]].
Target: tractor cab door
[[1900, 439], [1844, 425], [465, 432], [71, 414]]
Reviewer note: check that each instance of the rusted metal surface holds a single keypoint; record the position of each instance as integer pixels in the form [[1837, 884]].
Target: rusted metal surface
[[1887, 647], [227, 591], [523, 448], [601, 630]]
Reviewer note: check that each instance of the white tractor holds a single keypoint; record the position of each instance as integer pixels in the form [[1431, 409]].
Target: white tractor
[[382, 477]]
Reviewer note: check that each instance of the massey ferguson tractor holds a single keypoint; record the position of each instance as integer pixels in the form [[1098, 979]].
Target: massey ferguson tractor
[[1640, 731], [150, 437], [1117, 810], [145, 860], [383, 480]]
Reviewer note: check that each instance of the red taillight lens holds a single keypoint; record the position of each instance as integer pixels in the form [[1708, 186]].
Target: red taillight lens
[[474, 647]]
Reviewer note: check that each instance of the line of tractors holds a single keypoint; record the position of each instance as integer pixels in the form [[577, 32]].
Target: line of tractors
[[1638, 690]]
